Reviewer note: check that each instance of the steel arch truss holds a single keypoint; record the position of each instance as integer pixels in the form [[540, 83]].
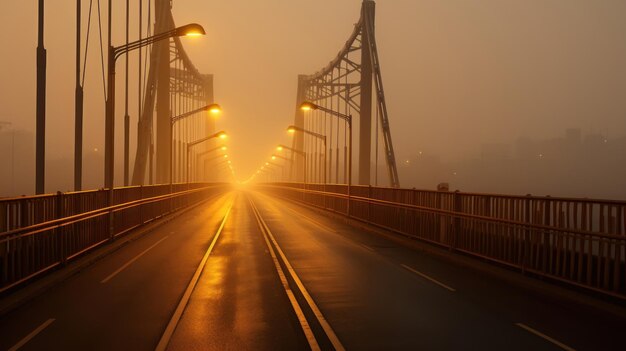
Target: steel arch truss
[[352, 84], [174, 87]]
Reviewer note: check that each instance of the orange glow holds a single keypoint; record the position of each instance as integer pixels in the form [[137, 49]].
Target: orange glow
[[190, 30], [279, 148], [308, 106], [273, 157], [224, 148], [214, 109]]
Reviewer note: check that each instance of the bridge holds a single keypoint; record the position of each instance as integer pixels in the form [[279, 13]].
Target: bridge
[[180, 254]]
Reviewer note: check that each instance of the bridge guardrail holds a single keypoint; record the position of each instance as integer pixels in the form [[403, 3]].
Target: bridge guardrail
[[39, 233], [581, 242]]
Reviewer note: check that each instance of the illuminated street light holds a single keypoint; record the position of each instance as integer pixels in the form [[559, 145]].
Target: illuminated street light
[[293, 129], [299, 152], [308, 106], [211, 108], [114, 53], [220, 134]]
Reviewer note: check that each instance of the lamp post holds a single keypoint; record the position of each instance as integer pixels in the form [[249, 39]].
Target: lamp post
[[293, 129], [113, 54], [274, 157], [308, 106], [221, 135], [211, 108], [271, 164], [299, 152], [206, 152], [40, 134]]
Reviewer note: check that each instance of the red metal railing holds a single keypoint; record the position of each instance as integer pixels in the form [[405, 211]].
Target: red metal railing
[[576, 241], [38, 233]]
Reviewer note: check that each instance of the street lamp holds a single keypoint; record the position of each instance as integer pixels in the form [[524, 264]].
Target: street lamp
[[282, 168], [299, 152], [114, 53], [211, 108], [293, 129], [308, 106], [220, 134]]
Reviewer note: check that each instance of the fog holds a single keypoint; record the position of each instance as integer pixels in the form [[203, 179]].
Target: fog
[[481, 94]]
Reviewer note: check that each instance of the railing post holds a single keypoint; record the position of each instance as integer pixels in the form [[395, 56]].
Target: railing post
[[59, 232], [141, 205], [526, 239], [369, 203], [456, 220], [111, 219], [4, 248]]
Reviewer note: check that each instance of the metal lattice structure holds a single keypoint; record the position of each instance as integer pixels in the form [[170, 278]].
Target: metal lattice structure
[[350, 84], [174, 87]]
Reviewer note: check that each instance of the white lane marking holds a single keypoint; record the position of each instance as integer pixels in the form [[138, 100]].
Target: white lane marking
[[367, 247], [306, 328], [330, 333], [178, 313], [32, 334], [131, 261], [545, 337], [429, 278]]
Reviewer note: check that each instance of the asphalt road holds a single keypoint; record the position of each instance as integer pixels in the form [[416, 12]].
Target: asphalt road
[[250, 272]]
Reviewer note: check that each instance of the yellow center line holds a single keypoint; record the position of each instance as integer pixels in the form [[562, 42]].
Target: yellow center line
[[316, 311], [171, 326], [306, 328]]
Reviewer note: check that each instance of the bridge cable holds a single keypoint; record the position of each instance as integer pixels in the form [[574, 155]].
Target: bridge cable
[[104, 88], [82, 83]]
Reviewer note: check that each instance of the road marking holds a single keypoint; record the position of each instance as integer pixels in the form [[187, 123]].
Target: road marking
[[545, 337], [431, 279], [306, 328], [178, 313], [330, 333], [32, 334], [366, 247], [131, 261], [312, 220]]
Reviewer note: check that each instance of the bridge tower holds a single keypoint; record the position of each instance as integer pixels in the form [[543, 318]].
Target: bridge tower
[[351, 85], [174, 86]]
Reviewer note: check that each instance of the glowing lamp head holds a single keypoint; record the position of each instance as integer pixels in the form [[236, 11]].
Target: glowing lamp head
[[190, 30], [224, 148], [222, 135], [214, 109], [279, 148], [308, 106], [225, 156], [273, 157], [267, 163], [291, 129]]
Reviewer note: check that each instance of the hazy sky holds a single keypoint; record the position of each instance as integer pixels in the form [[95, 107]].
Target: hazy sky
[[457, 73]]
